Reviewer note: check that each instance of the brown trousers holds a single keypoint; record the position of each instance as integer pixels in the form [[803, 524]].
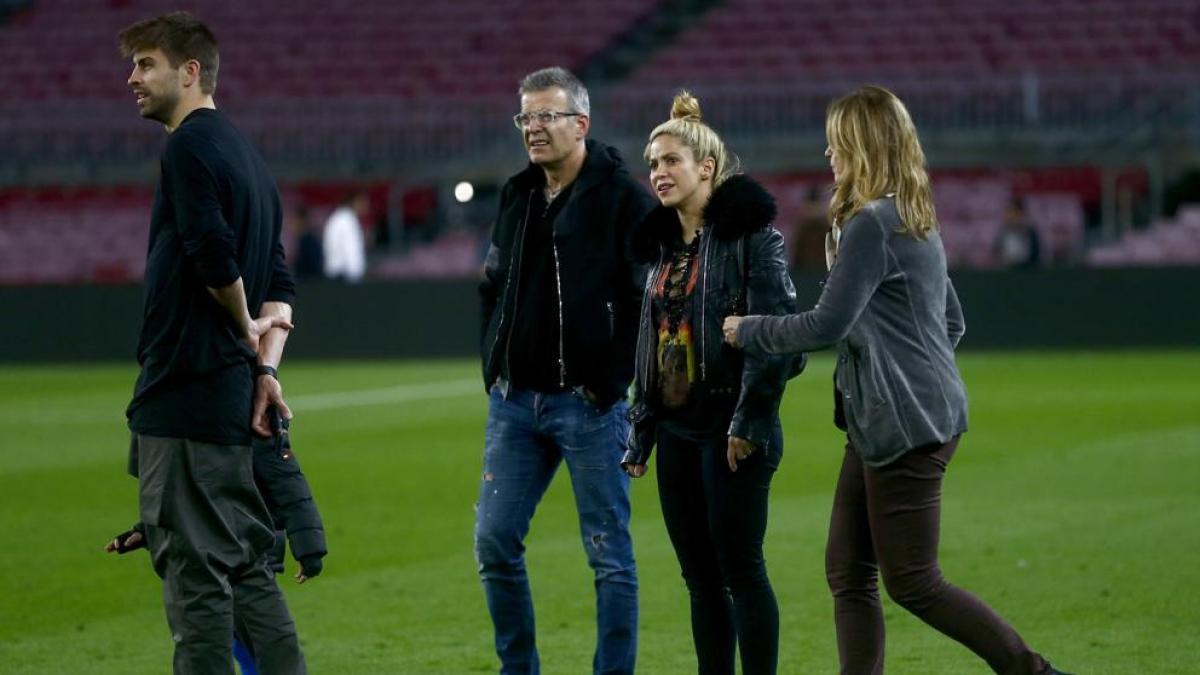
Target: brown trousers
[[886, 520]]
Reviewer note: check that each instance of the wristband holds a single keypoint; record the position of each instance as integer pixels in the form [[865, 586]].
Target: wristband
[[266, 370]]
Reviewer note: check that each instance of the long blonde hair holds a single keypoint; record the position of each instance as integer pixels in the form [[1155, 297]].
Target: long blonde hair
[[876, 142], [686, 125]]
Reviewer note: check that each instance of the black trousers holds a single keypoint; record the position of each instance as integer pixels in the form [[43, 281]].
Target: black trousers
[[716, 519]]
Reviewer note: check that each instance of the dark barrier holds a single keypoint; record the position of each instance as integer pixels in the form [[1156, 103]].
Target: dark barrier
[[1068, 308]]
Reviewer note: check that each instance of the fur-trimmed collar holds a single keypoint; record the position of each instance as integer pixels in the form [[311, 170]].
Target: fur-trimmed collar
[[739, 206]]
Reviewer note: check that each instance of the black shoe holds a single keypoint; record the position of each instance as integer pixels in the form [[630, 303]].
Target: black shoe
[[1054, 671]]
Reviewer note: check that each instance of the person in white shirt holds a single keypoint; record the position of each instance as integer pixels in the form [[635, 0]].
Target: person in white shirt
[[345, 254]]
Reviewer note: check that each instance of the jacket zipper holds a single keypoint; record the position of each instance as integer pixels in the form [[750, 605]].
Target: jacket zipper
[[703, 305], [562, 362], [508, 283]]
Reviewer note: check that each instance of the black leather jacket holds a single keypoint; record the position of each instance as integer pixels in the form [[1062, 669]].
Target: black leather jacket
[[743, 270]]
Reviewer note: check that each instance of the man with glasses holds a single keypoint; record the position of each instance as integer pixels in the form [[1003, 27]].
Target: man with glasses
[[560, 302]]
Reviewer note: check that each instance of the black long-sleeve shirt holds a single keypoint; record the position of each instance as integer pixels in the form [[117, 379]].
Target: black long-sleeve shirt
[[216, 217]]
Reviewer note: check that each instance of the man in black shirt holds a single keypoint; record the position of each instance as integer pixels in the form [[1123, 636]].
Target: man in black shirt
[[560, 302], [215, 262]]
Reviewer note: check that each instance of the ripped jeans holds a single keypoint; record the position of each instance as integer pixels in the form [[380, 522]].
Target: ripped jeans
[[528, 435]]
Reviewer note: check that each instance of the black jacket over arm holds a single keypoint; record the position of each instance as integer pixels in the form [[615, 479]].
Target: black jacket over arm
[[600, 285]]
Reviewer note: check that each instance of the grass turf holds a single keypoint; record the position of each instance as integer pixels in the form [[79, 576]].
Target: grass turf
[[1071, 507]]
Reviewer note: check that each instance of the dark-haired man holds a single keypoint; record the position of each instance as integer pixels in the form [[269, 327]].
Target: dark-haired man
[[216, 317]]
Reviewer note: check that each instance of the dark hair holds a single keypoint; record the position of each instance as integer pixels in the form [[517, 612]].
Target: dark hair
[[182, 37], [353, 194]]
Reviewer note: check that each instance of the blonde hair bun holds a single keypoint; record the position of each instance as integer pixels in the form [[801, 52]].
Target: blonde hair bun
[[685, 107]]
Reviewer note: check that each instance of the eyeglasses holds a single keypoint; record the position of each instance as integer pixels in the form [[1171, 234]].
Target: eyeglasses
[[543, 117]]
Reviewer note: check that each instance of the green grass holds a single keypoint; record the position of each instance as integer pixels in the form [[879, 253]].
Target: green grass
[[1072, 508]]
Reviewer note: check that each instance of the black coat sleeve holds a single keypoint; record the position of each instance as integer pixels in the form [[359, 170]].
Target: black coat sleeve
[[289, 499], [283, 286], [491, 280], [629, 284], [764, 376], [192, 186]]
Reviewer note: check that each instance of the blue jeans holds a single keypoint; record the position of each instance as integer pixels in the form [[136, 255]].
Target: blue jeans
[[528, 435]]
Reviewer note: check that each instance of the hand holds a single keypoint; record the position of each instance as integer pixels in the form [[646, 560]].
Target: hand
[[267, 392], [133, 540], [739, 449], [730, 329], [310, 567], [254, 329], [634, 470]]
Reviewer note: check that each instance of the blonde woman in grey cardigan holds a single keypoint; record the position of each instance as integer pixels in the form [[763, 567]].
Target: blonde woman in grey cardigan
[[892, 312]]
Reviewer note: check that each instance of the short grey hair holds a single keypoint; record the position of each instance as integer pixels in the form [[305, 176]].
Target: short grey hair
[[548, 78]]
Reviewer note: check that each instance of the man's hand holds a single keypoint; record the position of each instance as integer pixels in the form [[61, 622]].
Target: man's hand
[[254, 329], [267, 392], [635, 470], [730, 328], [233, 299], [739, 449]]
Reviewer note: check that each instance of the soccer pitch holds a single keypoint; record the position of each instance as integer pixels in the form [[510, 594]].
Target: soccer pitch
[[1072, 507]]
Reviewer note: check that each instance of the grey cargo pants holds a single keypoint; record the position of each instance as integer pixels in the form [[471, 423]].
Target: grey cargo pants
[[208, 532]]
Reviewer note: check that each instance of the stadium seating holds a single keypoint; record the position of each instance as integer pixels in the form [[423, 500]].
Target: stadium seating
[[99, 234], [462, 57], [971, 209], [308, 49], [1166, 242], [83, 235], [769, 41]]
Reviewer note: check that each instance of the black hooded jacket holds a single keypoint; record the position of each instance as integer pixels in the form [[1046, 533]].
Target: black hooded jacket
[[743, 270], [600, 286]]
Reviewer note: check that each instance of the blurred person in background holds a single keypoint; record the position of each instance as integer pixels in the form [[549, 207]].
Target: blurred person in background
[[713, 412], [891, 310], [208, 375], [309, 262], [344, 242], [560, 299], [808, 239], [1017, 244]]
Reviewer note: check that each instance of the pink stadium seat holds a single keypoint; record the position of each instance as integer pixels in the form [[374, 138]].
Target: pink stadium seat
[[308, 49], [73, 236], [1168, 242], [930, 37]]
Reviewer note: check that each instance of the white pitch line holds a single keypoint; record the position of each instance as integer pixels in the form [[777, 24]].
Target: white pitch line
[[397, 394], [300, 402]]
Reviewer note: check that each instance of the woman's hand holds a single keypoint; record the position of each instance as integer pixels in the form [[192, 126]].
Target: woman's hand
[[730, 329], [739, 449]]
